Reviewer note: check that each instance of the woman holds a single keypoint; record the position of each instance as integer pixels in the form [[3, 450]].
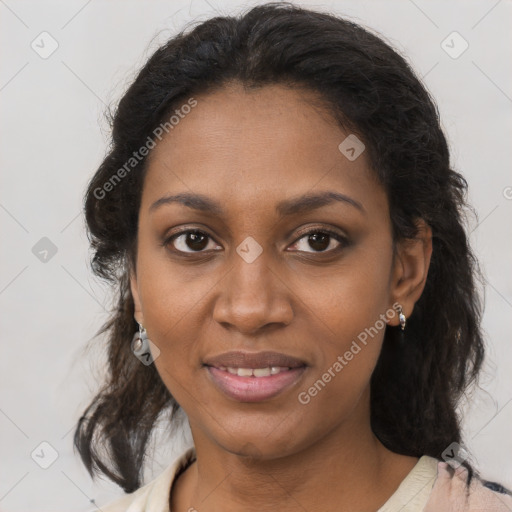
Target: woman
[[279, 214]]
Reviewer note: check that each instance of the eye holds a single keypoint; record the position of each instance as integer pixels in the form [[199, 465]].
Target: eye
[[320, 240], [194, 240]]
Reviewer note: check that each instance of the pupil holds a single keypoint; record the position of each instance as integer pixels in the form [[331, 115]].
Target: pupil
[[197, 240], [318, 241]]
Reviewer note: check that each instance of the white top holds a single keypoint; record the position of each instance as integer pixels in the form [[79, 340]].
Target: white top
[[429, 487]]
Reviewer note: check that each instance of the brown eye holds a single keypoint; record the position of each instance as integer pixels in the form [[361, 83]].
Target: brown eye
[[320, 241], [189, 241]]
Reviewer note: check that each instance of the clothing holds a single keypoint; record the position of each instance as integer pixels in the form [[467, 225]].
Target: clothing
[[431, 486]]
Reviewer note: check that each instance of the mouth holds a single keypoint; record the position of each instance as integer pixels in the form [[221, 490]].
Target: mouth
[[254, 372], [254, 384], [254, 360], [254, 376]]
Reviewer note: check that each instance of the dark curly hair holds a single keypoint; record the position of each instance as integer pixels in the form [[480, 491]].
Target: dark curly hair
[[370, 89]]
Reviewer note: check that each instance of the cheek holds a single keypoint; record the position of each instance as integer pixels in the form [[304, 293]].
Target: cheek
[[169, 291], [361, 308], [351, 311], [353, 298], [167, 301], [346, 364]]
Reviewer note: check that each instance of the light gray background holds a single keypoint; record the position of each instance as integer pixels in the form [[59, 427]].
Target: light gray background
[[53, 138]]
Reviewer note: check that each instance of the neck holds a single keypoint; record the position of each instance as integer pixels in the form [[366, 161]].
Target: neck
[[348, 469]]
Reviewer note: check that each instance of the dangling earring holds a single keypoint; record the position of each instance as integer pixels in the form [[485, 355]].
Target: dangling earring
[[142, 348], [401, 318], [140, 344]]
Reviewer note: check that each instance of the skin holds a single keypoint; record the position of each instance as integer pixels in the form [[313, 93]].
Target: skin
[[249, 150]]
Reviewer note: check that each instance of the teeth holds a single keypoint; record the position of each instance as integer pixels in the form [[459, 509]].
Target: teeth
[[256, 372], [261, 372]]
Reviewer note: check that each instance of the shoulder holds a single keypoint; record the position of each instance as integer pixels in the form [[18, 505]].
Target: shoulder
[[451, 493], [155, 494]]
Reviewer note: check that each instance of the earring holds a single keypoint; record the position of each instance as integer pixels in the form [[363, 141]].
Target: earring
[[144, 349], [401, 318], [140, 344]]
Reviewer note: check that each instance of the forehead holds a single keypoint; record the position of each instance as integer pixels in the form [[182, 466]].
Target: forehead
[[256, 146]]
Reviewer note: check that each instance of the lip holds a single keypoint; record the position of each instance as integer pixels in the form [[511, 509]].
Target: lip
[[265, 359], [254, 389]]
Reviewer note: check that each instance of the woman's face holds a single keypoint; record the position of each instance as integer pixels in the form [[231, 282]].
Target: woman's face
[[264, 274]]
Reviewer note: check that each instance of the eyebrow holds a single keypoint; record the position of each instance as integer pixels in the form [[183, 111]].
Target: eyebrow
[[305, 203]]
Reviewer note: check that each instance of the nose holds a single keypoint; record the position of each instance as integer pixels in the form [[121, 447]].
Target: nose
[[253, 297]]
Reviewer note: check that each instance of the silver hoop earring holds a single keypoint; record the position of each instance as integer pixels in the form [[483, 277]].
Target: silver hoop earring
[[401, 318]]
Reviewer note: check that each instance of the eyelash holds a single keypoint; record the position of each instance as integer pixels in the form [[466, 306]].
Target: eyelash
[[343, 240]]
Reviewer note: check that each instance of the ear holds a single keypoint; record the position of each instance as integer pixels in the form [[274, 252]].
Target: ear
[[139, 317], [410, 269]]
